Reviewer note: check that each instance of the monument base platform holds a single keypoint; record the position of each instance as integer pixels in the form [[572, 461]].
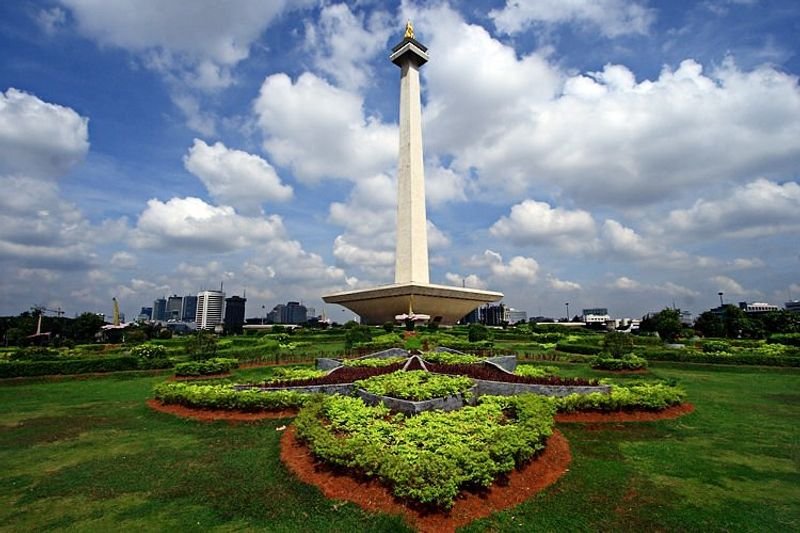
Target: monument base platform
[[444, 304]]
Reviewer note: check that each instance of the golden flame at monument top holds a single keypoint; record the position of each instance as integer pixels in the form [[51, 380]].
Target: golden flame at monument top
[[409, 30]]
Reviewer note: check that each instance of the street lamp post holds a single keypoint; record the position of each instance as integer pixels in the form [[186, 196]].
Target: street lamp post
[[567, 304], [263, 314]]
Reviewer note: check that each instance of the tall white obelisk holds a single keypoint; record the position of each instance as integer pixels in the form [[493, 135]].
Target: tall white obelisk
[[411, 257], [411, 290]]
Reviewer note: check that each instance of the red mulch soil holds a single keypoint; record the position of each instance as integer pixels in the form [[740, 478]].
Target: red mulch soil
[[626, 416], [211, 415], [371, 495]]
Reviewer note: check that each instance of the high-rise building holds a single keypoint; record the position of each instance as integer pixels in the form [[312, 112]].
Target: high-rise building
[[595, 311], [276, 315], [496, 315], [234, 314], [174, 304], [189, 308], [291, 313], [757, 307], [210, 305], [160, 309], [296, 313], [515, 316], [146, 313], [793, 306]]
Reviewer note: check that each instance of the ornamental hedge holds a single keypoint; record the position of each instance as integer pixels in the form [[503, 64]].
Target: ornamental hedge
[[13, 369], [218, 365], [583, 349], [204, 396], [651, 397], [738, 358], [626, 362], [430, 457]]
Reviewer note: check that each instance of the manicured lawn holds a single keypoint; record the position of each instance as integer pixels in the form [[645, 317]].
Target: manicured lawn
[[88, 455]]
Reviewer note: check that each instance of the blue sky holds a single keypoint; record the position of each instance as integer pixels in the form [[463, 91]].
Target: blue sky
[[629, 155]]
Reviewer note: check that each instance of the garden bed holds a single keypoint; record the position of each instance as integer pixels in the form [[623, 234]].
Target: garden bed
[[213, 415], [518, 486], [423, 458]]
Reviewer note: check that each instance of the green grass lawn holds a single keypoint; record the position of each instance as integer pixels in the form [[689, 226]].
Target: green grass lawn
[[88, 455]]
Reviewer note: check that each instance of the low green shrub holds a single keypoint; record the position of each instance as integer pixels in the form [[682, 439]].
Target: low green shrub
[[429, 457], [415, 385], [34, 353], [789, 339], [373, 362], [536, 371], [738, 358], [654, 397], [584, 349], [11, 369], [218, 365], [295, 374], [449, 358], [203, 396], [149, 351], [465, 345], [716, 347], [626, 362]]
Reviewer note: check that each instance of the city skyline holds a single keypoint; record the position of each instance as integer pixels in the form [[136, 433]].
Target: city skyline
[[632, 157]]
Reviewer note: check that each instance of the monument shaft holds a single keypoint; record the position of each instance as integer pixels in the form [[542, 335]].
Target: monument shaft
[[411, 292], [411, 258]]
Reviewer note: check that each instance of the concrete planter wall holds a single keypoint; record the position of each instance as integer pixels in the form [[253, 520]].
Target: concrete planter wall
[[500, 388], [446, 403], [326, 363], [507, 363]]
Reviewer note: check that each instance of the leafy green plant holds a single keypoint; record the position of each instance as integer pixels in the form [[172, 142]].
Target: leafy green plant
[[202, 345], [11, 369], [716, 347], [149, 351], [478, 332], [536, 371], [617, 344], [628, 361], [225, 397], [649, 396], [294, 374], [218, 365], [415, 385], [429, 457], [449, 358], [373, 362], [34, 353]]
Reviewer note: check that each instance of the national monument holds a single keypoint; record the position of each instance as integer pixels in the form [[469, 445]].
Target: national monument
[[411, 294]]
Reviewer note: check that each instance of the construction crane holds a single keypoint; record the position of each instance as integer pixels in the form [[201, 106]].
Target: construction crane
[[41, 310]]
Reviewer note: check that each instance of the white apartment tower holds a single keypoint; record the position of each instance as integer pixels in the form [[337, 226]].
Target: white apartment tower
[[209, 309]]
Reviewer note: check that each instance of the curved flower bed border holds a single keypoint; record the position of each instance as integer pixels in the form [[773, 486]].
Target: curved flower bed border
[[521, 485], [212, 415], [591, 417]]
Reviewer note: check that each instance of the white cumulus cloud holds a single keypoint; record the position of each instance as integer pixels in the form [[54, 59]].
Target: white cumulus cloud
[[39, 139], [321, 131], [234, 177], [611, 17], [190, 223]]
